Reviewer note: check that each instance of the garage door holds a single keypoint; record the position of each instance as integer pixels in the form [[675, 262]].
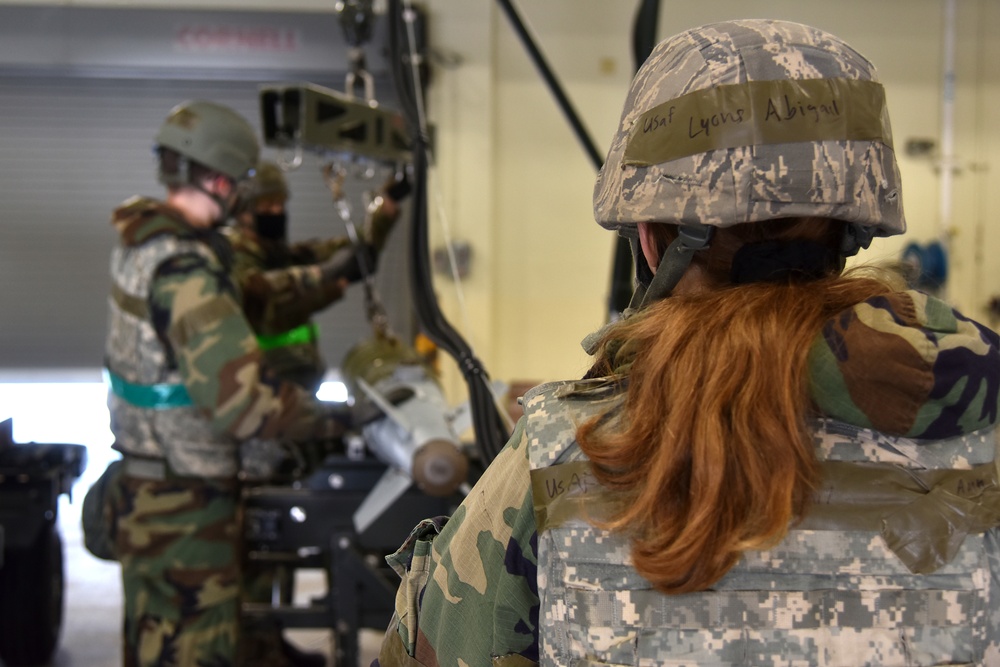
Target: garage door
[[71, 149]]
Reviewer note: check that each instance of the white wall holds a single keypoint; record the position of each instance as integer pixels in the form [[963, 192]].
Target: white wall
[[555, 260], [512, 179], [551, 261]]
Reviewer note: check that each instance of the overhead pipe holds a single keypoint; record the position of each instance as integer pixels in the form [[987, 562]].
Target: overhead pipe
[[643, 41], [553, 83]]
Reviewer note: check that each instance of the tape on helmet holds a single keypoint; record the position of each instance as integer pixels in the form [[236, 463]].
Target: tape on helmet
[[753, 120]]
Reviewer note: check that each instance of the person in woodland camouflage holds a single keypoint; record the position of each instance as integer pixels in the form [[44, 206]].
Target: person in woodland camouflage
[[283, 285], [187, 386], [772, 461]]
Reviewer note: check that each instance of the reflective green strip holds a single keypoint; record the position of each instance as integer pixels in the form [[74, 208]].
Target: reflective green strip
[[303, 335], [151, 396], [759, 113]]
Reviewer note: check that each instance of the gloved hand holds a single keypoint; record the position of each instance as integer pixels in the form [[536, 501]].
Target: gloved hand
[[384, 211], [397, 189], [351, 263]]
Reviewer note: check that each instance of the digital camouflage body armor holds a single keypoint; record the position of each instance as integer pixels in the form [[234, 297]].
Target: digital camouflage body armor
[[162, 422], [833, 596], [896, 561]]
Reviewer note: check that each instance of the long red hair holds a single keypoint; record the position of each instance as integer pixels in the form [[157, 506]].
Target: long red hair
[[713, 455]]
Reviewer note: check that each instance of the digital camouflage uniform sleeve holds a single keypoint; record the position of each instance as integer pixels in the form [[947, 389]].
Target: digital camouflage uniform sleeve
[[469, 594], [195, 310]]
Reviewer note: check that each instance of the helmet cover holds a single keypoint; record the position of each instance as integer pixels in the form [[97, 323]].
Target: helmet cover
[[211, 135], [752, 120]]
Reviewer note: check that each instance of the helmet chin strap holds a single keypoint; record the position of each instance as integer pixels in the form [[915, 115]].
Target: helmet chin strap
[[651, 287], [856, 238], [674, 262], [182, 178], [643, 275], [692, 238], [225, 207]]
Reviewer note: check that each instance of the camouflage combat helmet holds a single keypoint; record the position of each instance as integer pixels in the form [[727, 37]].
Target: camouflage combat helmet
[[746, 121], [211, 135], [269, 181]]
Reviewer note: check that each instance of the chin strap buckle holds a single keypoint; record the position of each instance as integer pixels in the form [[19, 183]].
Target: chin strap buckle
[[693, 238], [856, 238]]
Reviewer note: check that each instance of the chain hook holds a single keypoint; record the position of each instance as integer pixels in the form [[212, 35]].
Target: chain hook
[[293, 163]]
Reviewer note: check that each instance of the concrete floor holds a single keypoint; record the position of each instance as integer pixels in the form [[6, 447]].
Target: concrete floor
[[92, 598]]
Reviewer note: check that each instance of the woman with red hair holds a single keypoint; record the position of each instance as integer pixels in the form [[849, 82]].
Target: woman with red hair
[[772, 461]]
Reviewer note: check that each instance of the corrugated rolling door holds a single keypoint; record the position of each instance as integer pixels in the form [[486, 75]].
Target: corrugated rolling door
[[71, 149]]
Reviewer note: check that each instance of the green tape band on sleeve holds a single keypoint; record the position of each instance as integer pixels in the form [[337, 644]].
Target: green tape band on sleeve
[[760, 113], [303, 335]]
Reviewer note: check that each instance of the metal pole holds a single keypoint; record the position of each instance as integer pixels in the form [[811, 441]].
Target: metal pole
[[543, 67]]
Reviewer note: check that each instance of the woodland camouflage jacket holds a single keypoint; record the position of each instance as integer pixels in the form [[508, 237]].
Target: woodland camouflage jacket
[[176, 326]]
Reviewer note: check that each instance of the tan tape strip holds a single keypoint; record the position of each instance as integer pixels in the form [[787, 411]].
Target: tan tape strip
[[567, 492], [923, 515], [132, 305], [858, 496], [758, 113]]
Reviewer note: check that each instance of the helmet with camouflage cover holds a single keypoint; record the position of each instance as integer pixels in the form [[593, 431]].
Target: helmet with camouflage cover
[[270, 182], [746, 121], [211, 135]]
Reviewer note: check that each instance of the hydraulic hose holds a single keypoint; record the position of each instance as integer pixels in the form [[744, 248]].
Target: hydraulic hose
[[490, 428]]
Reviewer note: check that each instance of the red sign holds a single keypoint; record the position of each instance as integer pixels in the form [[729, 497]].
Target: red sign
[[236, 39]]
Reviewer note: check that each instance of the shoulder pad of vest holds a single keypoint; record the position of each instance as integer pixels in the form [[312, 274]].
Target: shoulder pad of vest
[[139, 219], [555, 410]]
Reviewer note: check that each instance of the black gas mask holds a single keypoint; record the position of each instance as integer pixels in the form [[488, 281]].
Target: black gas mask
[[271, 226]]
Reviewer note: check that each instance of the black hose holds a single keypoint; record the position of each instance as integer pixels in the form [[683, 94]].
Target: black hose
[[561, 99], [489, 427], [644, 30]]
